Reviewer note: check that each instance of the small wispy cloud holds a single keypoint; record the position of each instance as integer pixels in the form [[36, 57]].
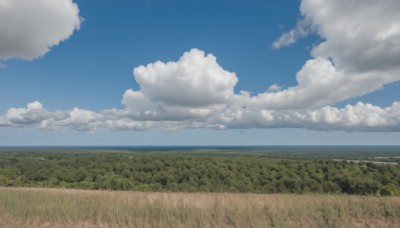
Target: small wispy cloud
[[302, 29]]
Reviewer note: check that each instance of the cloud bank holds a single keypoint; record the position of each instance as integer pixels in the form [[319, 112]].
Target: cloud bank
[[358, 55], [34, 115], [29, 28]]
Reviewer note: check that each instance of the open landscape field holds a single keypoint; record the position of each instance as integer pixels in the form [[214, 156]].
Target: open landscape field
[[40, 207], [178, 187]]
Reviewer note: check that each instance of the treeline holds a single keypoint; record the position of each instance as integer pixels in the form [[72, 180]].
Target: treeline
[[239, 173]]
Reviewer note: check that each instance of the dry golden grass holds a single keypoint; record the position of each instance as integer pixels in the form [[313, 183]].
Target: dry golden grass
[[29, 207]]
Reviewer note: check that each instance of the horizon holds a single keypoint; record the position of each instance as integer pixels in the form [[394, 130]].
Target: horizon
[[139, 147]]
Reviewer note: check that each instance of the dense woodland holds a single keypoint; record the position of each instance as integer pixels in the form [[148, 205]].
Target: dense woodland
[[193, 172]]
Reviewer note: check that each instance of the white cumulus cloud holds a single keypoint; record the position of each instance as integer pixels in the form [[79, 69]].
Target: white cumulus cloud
[[29, 28], [359, 36], [195, 79], [360, 53]]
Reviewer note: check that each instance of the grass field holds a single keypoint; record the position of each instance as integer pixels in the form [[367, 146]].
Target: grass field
[[30, 207]]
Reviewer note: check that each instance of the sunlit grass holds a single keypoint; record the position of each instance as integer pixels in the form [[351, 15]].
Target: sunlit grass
[[28, 207]]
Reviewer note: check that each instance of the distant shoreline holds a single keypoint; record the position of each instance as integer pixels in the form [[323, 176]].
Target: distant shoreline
[[189, 147]]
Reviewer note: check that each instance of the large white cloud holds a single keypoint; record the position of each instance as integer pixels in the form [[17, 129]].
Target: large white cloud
[[360, 36], [195, 79], [29, 28], [360, 52]]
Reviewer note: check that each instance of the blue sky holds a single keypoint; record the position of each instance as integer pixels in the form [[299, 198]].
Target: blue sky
[[90, 61]]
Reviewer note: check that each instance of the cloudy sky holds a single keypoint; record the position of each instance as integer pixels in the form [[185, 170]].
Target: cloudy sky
[[179, 72]]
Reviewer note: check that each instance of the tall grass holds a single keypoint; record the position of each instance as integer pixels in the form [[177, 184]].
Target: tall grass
[[29, 207]]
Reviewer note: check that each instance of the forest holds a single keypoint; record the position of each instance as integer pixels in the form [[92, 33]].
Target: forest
[[196, 172]]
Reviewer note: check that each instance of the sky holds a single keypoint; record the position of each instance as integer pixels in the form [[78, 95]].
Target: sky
[[187, 72]]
